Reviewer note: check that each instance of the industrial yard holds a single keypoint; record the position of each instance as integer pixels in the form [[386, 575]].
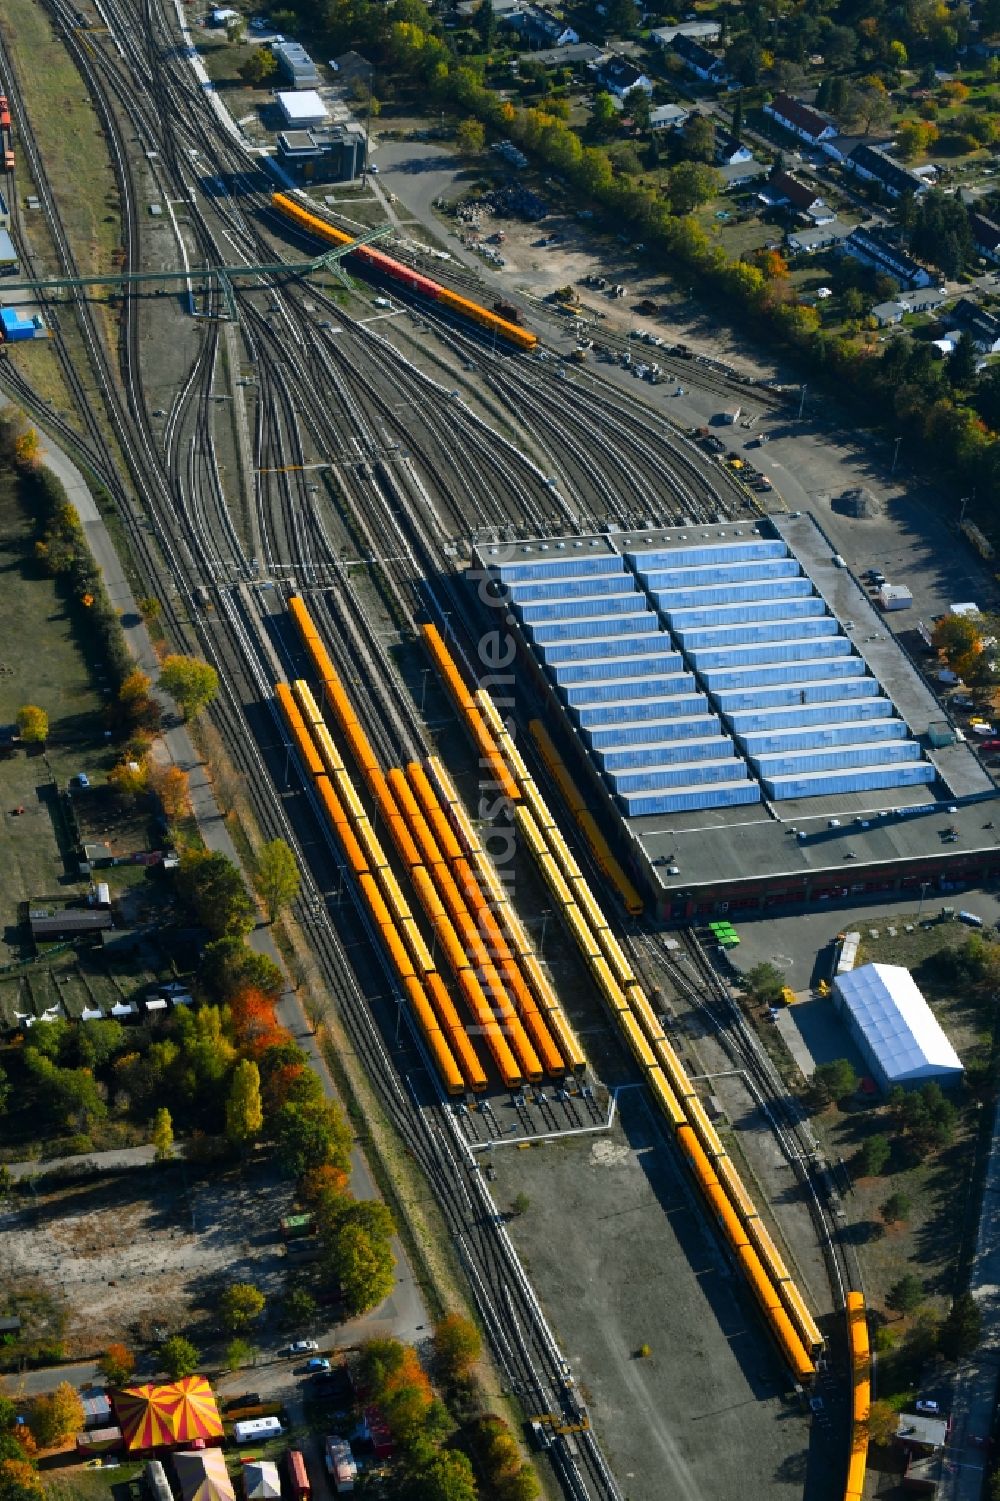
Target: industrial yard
[[535, 677]]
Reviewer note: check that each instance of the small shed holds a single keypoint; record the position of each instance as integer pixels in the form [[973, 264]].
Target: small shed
[[303, 108]]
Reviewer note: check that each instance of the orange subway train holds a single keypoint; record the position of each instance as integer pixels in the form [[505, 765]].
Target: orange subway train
[[384, 265]]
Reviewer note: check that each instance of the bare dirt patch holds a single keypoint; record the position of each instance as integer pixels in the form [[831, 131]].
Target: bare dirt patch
[[145, 1248]]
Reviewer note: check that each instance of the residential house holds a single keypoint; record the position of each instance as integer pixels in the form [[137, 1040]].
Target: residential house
[[876, 165], [729, 152], [737, 174], [983, 326], [817, 237], [539, 28], [875, 248], [705, 32], [620, 77], [923, 300], [668, 117], [986, 233], [803, 121], [783, 188], [698, 60]]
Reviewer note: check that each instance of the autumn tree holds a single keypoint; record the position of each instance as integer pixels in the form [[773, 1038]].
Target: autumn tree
[[136, 708], [244, 1112], [56, 1416], [446, 1476], [28, 449], [171, 786], [471, 137], [240, 1306], [129, 778], [191, 682], [163, 1135], [228, 966], [117, 1364], [179, 1357], [457, 1345], [32, 724], [255, 1027], [276, 877], [19, 1481]]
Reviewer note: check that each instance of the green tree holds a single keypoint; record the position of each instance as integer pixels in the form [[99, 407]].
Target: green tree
[[244, 1110], [446, 1476], [691, 184], [874, 1156], [163, 1135], [191, 682], [213, 887], [896, 1208], [962, 1328], [622, 16], [603, 115], [32, 724], [962, 361], [639, 106], [736, 130], [764, 984], [57, 1415], [883, 1420], [520, 1204], [358, 1255], [239, 1353], [117, 1364], [485, 24], [299, 1308], [259, 67], [471, 135], [698, 138], [906, 1295], [178, 1357], [311, 1135], [236, 30], [457, 1345], [834, 1081], [228, 965], [276, 877], [240, 1305]]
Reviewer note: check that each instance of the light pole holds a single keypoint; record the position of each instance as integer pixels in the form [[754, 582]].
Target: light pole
[[802, 400], [423, 687], [925, 886], [964, 502], [895, 456]]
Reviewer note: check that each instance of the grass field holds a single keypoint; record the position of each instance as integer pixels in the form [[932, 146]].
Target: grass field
[[68, 134]]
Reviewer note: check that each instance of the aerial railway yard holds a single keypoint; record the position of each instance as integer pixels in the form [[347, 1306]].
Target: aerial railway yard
[[384, 837]]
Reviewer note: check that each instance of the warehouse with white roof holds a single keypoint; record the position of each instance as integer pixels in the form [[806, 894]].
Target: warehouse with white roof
[[900, 1038]]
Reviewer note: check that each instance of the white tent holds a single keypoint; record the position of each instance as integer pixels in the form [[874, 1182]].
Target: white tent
[[900, 1037]]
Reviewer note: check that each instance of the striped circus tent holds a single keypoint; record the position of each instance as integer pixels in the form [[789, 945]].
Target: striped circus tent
[[156, 1417]]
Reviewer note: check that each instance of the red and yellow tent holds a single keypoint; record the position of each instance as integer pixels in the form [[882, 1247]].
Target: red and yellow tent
[[157, 1417]]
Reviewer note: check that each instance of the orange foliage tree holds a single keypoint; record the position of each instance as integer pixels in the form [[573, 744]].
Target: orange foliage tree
[[255, 1026], [171, 786]]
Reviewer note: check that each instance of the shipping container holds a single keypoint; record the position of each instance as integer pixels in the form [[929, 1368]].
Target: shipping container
[[683, 706], [626, 690], [688, 598], [791, 763], [615, 646], [797, 715], [531, 591], [601, 669], [895, 597], [813, 669], [749, 612], [752, 551], [651, 731], [863, 779], [299, 1488], [757, 632], [855, 733], [567, 567], [622, 600], [689, 774], [722, 573], [665, 753], [820, 689], [683, 800], [773, 652], [593, 628]]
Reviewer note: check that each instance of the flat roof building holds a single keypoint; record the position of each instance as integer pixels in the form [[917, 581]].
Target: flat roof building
[[295, 65], [302, 109], [898, 1034], [730, 701]]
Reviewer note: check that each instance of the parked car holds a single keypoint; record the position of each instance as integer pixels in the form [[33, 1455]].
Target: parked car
[[318, 1363], [924, 1404], [81, 780], [302, 1347]]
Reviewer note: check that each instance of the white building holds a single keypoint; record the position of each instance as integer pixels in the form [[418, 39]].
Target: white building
[[668, 117], [897, 1033], [300, 110], [705, 32]]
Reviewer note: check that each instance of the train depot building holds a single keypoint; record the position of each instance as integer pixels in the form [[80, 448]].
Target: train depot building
[[740, 717]]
